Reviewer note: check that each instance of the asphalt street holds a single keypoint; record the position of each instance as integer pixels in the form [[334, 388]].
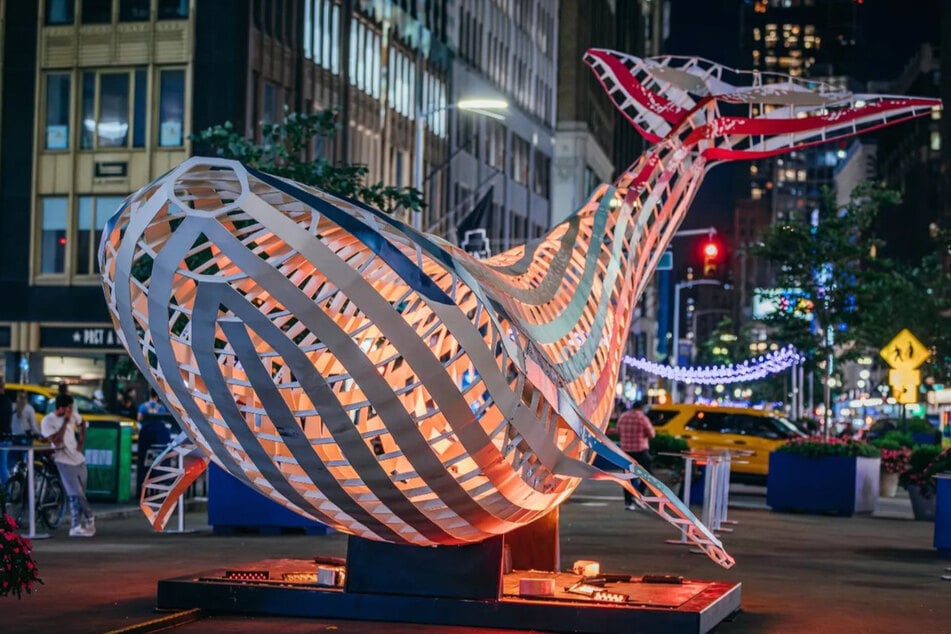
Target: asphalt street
[[800, 573]]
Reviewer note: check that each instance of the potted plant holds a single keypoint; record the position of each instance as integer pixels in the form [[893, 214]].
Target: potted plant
[[817, 475], [18, 573], [896, 451], [668, 469], [925, 462]]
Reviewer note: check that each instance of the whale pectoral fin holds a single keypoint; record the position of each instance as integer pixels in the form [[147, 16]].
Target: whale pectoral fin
[[172, 472], [661, 499]]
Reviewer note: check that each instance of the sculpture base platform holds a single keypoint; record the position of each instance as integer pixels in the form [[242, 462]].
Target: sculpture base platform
[[290, 589]]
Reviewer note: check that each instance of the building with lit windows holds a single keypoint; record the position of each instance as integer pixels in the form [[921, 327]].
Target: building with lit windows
[[502, 50], [107, 93]]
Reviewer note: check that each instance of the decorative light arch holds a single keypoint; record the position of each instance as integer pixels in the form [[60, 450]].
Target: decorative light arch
[[750, 370]]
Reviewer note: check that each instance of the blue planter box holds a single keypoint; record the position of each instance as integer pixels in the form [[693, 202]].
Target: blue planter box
[[233, 506], [942, 515], [926, 437], [828, 485]]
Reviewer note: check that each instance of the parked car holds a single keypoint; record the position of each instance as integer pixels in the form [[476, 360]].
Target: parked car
[[43, 400], [714, 427]]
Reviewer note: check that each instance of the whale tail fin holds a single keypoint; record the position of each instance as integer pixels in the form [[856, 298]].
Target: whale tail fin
[[740, 114]]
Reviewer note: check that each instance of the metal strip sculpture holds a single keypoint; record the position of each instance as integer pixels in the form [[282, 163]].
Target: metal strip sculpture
[[382, 381]]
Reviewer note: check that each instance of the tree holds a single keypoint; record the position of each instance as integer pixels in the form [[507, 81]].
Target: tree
[[824, 262], [285, 150], [913, 297]]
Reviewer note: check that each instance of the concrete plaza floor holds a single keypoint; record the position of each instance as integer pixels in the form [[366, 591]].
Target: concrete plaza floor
[[800, 573]]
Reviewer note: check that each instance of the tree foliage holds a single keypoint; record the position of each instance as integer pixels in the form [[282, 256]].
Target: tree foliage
[[284, 152], [829, 276], [822, 269]]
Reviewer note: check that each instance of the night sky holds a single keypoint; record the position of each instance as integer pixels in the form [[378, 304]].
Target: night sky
[[890, 32]]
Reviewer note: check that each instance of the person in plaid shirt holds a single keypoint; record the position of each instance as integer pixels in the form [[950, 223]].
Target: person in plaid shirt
[[635, 430]]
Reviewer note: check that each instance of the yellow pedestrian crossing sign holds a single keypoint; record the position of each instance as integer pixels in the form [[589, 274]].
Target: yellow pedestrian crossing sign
[[905, 352]]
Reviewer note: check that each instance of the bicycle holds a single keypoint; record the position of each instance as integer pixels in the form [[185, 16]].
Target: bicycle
[[50, 496]]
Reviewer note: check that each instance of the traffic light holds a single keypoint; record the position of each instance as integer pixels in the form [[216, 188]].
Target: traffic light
[[711, 258]]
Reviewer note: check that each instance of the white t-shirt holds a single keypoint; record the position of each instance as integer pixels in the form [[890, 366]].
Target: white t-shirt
[[68, 452], [25, 422]]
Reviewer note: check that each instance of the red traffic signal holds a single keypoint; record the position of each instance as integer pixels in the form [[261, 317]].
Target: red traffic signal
[[711, 258]]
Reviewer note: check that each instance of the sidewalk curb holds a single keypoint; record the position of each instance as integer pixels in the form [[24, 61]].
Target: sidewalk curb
[[124, 511]]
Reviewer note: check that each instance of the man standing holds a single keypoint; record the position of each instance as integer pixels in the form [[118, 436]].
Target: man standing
[[636, 431], [67, 433], [154, 437], [6, 430]]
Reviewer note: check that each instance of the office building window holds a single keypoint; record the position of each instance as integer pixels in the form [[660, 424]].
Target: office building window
[[542, 181], [520, 153], [53, 235], [495, 144], [94, 211], [171, 107], [57, 111], [172, 9], [269, 110], [134, 10], [113, 120], [96, 11], [107, 109], [59, 12]]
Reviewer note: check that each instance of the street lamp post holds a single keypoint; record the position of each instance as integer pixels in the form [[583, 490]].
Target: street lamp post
[[485, 107], [676, 341]]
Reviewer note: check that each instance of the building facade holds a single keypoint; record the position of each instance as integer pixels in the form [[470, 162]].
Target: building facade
[[502, 50], [108, 94]]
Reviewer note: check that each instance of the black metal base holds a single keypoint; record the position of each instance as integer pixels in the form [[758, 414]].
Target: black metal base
[[291, 590]]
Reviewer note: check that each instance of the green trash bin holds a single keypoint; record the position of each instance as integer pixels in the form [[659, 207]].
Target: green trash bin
[[109, 461]]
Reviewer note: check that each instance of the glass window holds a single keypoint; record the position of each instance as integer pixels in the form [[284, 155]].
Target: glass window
[[59, 12], [269, 111], [53, 235], [134, 10], [89, 110], [93, 214], [112, 129], [138, 113], [308, 31], [171, 107], [709, 421], [106, 115], [57, 111], [172, 9], [542, 180], [97, 11]]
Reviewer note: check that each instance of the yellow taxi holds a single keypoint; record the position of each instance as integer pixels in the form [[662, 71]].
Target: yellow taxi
[[713, 427], [43, 400]]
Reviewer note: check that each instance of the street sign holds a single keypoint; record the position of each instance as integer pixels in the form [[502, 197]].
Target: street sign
[[905, 351], [905, 384], [666, 262]]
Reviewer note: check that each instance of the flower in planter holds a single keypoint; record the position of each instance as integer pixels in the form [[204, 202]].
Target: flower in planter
[[925, 462], [895, 460], [819, 447], [18, 572]]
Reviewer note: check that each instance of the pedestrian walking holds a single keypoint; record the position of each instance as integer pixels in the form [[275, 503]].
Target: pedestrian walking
[[66, 431], [636, 430]]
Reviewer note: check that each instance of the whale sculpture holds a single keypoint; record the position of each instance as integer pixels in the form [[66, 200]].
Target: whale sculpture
[[381, 380]]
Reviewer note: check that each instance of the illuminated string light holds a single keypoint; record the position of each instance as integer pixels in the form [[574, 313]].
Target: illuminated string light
[[750, 370]]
